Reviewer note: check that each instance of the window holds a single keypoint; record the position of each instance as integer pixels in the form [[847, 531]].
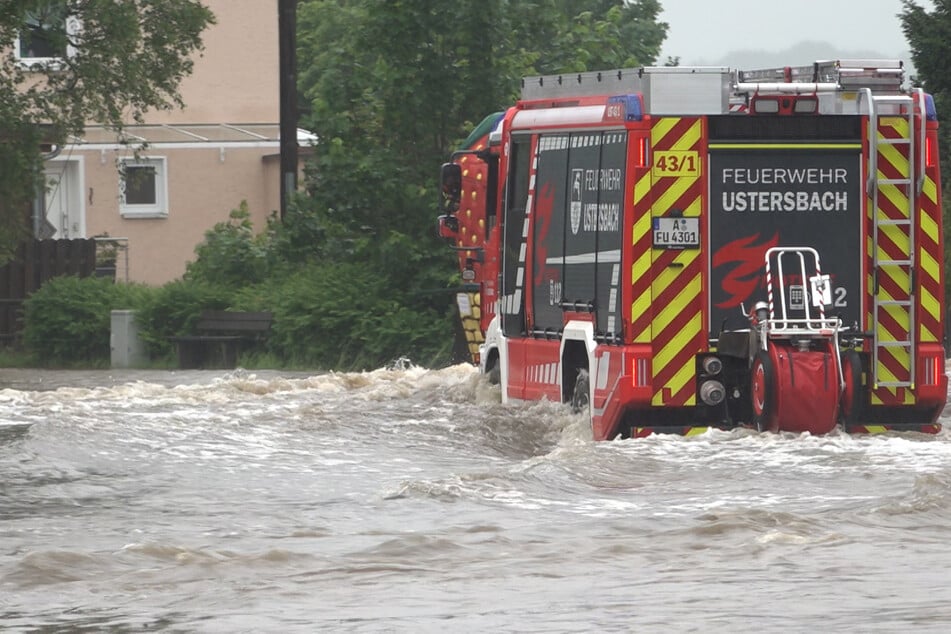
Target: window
[[46, 34], [143, 188]]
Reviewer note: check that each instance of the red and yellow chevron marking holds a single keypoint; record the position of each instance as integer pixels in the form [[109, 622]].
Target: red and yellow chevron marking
[[894, 280], [930, 253], [641, 266], [884, 429], [644, 432], [470, 313], [667, 306]]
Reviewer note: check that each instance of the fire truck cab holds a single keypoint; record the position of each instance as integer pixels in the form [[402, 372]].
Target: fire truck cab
[[672, 249]]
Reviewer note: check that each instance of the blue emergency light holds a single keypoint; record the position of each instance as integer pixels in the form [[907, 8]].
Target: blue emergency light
[[627, 107]]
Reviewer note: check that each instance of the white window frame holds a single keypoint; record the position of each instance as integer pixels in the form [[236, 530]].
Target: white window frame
[[73, 29], [159, 209]]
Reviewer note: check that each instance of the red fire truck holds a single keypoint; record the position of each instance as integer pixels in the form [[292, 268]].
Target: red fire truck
[[673, 249]]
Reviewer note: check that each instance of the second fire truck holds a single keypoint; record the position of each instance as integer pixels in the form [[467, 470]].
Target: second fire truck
[[673, 249]]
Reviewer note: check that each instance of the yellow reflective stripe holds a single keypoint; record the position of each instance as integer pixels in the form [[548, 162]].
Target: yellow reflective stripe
[[899, 124], [661, 127], [892, 155], [676, 345], [640, 268], [930, 268], [898, 237], [785, 146], [642, 187], [884, 374], [687, 372], [689, 139], [929, 227], [901, 317], [693, 209], [669, 312], [930, 190], [667, 200], [896, 197]]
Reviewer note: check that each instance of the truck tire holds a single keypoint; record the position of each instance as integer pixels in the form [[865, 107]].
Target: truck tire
[[853, 398], [579, 396], [762, 390], [494, 374]]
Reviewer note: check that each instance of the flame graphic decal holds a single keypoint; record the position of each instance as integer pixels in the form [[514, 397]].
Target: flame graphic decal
[[747, 275], [543, 209]]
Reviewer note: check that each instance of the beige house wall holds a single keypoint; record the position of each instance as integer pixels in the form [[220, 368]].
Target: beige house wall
[[235, 81], [204, 185]]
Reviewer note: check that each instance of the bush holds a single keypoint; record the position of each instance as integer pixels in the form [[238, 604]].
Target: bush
[[344, 316], [68, 319], [231, 254], [365, 308], [173, 309]]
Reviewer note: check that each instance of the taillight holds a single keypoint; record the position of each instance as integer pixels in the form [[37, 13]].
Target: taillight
[[642, 147], [932, 370], [640, 375]]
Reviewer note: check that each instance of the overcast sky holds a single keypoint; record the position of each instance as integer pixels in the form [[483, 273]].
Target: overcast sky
[[708, 31]]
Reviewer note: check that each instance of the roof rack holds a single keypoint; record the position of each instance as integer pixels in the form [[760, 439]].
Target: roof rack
[[849, 74]]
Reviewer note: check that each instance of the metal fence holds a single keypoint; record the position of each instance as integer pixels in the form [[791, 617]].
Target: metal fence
[[35, 263]]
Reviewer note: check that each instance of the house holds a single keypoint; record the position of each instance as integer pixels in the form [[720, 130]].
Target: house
[[198, 163]]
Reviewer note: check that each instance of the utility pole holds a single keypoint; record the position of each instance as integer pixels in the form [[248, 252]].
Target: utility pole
[[287, 34]]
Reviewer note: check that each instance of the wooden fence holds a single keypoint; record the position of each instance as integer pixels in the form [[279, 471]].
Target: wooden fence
[[36, 262]]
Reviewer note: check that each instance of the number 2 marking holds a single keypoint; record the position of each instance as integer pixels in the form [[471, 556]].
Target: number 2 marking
[[840, 301]]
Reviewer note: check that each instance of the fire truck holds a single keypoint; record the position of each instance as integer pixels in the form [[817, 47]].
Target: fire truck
[[679, 248]]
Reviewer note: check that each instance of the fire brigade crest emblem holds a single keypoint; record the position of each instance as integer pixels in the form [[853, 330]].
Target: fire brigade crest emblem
[[575, 200]]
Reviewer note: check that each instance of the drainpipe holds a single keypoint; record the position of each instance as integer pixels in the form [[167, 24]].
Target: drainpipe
[[287, 33]]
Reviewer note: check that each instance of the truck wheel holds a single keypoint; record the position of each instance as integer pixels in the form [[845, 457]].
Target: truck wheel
[[762, 390], [579, 396], [853, 398], [494, 374]]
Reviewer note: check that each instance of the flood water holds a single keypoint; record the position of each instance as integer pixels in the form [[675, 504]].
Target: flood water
[[411, 500]]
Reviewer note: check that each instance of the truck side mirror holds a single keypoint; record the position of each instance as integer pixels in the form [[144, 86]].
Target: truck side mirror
[[448, 227], [451, 178]]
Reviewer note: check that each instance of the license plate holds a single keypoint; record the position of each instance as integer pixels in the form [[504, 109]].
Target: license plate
[[676, 233]]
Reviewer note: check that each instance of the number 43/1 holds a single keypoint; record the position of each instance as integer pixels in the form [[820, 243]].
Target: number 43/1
[[676, 163]]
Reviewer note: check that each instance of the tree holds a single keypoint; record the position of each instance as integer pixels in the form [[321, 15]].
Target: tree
[[929, 36], [69, 62], [391, 86], [580, 35]]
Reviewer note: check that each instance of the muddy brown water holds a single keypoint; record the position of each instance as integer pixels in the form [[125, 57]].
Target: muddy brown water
[[412, 500]]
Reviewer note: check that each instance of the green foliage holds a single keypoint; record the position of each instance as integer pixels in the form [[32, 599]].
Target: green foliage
[[390, 88], [580, 35], [344, 316], [354, 272], [927, 33], [121, 59], [173, 310], [68, 318], [293, 239], [20, 179], [231, 254]]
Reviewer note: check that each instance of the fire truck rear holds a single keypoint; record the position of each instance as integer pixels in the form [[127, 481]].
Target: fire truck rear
[[673, 249]]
